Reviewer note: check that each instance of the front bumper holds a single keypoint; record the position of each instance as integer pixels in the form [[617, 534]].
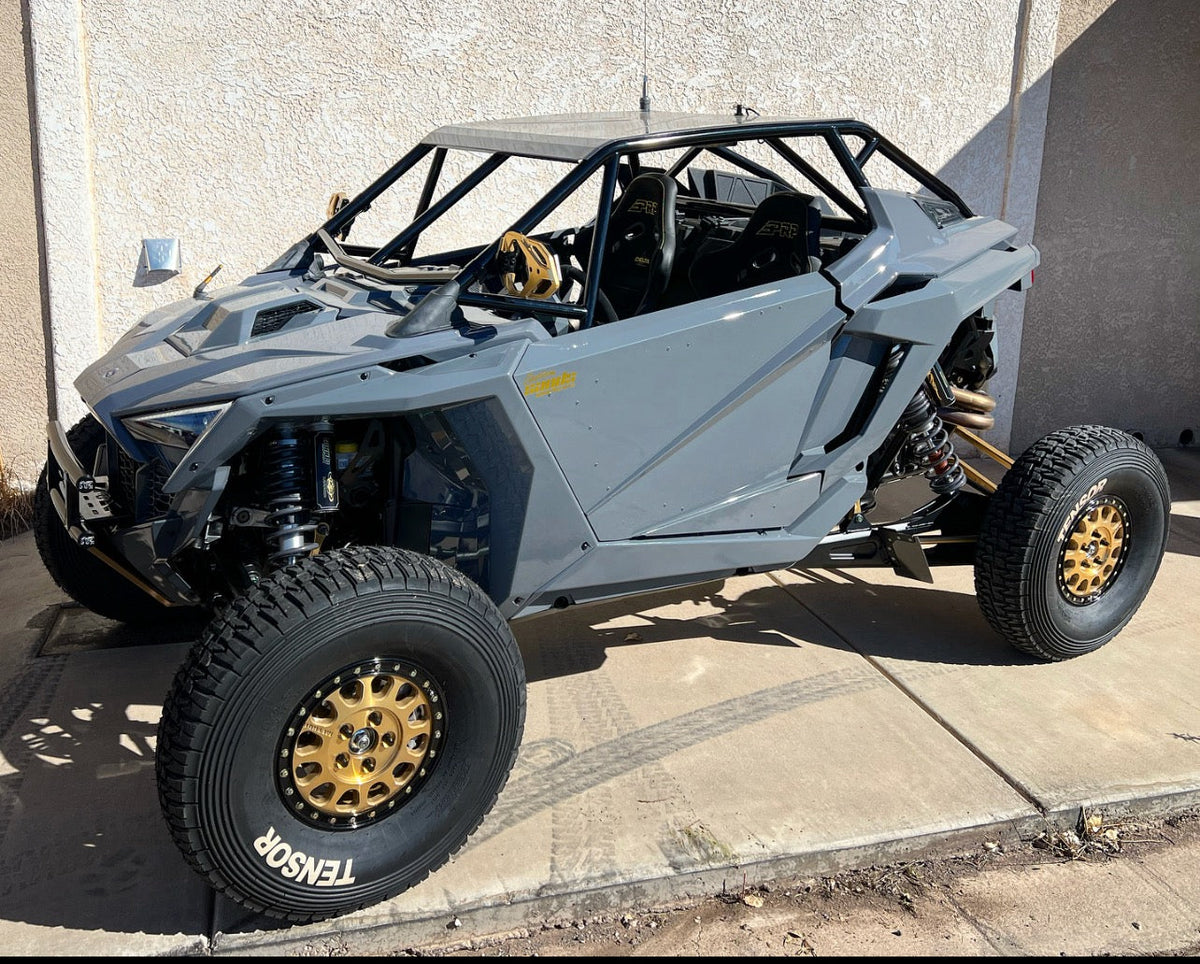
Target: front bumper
[[84, 502], [74, 492]]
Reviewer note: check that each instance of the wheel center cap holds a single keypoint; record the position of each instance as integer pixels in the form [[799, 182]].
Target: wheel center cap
[[363, 740]]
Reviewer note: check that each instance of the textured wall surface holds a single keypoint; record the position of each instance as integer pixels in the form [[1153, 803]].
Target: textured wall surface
[[23, 359], [64, 149], [228, 125], [1111, 324]]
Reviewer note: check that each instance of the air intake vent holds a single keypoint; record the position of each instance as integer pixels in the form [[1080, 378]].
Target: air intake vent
[[408, 364], [272, 319]]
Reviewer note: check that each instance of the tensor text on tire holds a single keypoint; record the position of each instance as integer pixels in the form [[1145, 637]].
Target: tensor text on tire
[[301, 867]]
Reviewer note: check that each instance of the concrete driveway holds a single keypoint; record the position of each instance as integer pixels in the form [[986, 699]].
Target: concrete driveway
[[802, 721]]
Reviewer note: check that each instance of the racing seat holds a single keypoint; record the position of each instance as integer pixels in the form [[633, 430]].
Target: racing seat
[[782, 238], [640, 248]]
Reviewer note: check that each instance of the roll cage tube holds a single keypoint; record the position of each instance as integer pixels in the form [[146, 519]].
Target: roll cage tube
[[430, 185], [608, 155], [773, 135], [875, 141], [530, 219], [431, 214], [363, 201], [373, 266], [788, 153]]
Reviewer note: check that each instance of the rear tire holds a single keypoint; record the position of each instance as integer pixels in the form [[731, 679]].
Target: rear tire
[[1072, 540], [307, 670], [77, 572]]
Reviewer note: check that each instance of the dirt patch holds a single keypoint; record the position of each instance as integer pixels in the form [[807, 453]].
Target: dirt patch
[[900, 908]]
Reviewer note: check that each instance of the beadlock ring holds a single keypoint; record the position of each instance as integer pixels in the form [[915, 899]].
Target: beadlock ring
[[361, 743], [1094, 550]]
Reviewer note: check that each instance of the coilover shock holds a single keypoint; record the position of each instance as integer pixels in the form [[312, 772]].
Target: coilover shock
[[288, 493], [929, 449]]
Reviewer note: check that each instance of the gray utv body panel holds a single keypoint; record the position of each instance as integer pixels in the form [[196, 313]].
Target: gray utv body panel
[[690, 443]]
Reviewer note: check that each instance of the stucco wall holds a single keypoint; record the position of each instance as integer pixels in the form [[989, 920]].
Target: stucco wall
[[1111, 324], [22, 346], [228, 125]]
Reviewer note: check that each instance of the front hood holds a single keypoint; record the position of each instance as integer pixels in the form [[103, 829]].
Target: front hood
[[271, 329]]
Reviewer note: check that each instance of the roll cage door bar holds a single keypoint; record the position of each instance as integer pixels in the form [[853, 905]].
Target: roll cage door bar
[[608, 156]]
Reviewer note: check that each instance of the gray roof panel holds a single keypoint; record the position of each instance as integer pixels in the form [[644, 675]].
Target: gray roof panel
[[572, 137]]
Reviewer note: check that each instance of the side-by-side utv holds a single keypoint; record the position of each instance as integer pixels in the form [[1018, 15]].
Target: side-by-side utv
[[697, 346]]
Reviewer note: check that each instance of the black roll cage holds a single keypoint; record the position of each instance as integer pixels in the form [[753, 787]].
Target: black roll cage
[[716, 140]]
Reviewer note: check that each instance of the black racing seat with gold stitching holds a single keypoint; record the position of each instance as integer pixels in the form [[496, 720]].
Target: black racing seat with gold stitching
[[782, 238], [640, 248]]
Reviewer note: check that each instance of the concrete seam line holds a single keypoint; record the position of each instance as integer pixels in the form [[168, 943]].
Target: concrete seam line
[[983, 758], [210, 938], [994, 941]]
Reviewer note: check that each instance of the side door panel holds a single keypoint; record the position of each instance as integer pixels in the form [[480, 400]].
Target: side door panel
[[687, 420]]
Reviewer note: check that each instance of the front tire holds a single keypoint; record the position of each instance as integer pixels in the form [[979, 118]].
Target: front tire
[[1072, 540], [339, 732]]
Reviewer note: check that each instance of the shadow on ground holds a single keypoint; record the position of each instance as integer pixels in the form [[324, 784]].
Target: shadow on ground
[[926, 624], [82, 844], [85, 847], [1185, 535]]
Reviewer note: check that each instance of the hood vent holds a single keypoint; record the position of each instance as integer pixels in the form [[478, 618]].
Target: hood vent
[[272, 319]]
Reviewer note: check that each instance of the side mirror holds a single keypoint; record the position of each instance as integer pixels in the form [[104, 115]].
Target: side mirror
[[159, 261]]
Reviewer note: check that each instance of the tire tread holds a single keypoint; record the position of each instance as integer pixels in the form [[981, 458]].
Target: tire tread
[[1025, 499], [312, 585]]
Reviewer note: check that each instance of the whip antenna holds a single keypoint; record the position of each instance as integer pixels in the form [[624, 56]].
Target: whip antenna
[[644, 103]]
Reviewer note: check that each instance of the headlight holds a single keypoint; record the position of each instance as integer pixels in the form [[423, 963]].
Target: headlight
[[175, 432]]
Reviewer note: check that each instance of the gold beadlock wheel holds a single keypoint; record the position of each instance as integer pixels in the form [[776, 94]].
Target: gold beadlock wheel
[[1094, 550], [361, 743]]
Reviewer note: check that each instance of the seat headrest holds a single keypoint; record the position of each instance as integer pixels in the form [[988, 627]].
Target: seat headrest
[[782, 237], [640, 247], [645, 193], [784, 216]]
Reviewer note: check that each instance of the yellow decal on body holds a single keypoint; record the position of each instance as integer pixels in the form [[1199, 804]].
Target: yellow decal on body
[[545, 382]]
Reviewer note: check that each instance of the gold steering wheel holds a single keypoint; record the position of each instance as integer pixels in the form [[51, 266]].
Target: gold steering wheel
[[538, 275]]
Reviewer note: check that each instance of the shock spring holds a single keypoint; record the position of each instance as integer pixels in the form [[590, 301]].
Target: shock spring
[[287, 493], [929, 449]]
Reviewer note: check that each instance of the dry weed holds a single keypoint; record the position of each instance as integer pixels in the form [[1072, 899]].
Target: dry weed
[[16, 503]]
